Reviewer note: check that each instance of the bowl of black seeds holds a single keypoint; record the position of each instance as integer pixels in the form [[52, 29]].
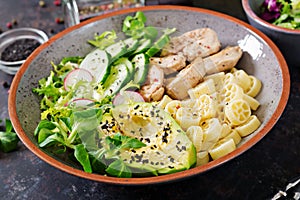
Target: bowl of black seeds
[[16, 45]]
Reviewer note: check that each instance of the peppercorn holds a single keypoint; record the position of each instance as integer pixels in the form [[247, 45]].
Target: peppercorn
[[42, 3], [59, 20], [14, 22], [57, 2], [9, 25]]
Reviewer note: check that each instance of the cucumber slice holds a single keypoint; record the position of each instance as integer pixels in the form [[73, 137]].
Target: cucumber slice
[[116, 50], [97, 63], [140, 62], [126, 61], [144, 45], [131, 44], [118, 77], [158, 45]]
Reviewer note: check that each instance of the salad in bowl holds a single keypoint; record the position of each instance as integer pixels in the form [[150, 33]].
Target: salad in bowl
[[147, 103]]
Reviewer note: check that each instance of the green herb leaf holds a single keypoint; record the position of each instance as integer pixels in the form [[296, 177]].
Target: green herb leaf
[[51, 140], [8, 141], [119, 169], [126, 142], [44, 124], [82, 156], [8, 138], [104, 40], [8, 126]]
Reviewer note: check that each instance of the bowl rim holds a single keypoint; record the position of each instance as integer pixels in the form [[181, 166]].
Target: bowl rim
[[40, 34], [250, 13], [163, 178]]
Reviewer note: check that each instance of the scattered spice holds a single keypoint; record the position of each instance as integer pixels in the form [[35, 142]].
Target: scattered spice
[[14, 22], [5, 84], [42, 3], [19, 50], [59, 20], [9, 25], [57, 2]]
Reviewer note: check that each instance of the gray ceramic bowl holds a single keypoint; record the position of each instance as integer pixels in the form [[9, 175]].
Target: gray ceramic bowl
[[261, 58], [287, 40]]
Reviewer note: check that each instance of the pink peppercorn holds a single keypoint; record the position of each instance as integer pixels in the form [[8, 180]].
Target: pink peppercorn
[[57, 2], [9, 25]]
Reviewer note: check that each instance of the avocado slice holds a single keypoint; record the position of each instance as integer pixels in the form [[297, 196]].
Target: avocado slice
[[167, 150]]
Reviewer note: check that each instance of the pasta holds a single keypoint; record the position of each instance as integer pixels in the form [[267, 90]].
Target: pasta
[[195, 134], [221, 149], [186, 117], [218, 112], [207, 106], [206, 87], [237, 111], [254, 88], [248, 127]]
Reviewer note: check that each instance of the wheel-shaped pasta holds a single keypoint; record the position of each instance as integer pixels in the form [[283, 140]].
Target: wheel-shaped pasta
[[248, 127], [218, 79], [164, 101], [242, 79], [229, 78], [207, 106], [211, 132], [226, 129], [190, 103], [237, 111], [195, 134], [187, 117], [202, 158], [220, 112], [231, 91], [222, 149], [255, 86], [254, 104], [172, 107], [233, 135], [205, 87]]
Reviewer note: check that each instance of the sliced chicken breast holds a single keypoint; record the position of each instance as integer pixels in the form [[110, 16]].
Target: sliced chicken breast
[[222, 61], [186, 79], [197, 43], [169, 64], [153, 89]]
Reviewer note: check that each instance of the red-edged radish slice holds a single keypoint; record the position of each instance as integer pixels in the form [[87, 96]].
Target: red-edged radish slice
[[127, 97], [81, 102], [77, 75]]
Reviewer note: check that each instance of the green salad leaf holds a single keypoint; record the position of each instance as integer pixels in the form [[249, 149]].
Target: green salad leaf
[[68, 128], [8, 138]]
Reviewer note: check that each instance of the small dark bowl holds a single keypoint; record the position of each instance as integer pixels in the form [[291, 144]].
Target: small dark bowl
[[11, 36], [287, 40]]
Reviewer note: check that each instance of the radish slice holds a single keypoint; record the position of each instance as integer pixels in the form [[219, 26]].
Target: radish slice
[[81, 102], [75, 76], [127, 97]]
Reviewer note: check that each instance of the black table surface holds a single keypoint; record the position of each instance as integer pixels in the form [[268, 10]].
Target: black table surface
[[259, 173]]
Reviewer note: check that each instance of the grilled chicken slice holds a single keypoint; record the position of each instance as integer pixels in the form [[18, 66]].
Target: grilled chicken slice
[[197, 43], [153, 89], [170, 63], [186, 79], [224, 60]]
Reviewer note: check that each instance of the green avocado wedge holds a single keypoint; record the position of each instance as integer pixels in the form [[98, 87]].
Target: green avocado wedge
[[167, 149]]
